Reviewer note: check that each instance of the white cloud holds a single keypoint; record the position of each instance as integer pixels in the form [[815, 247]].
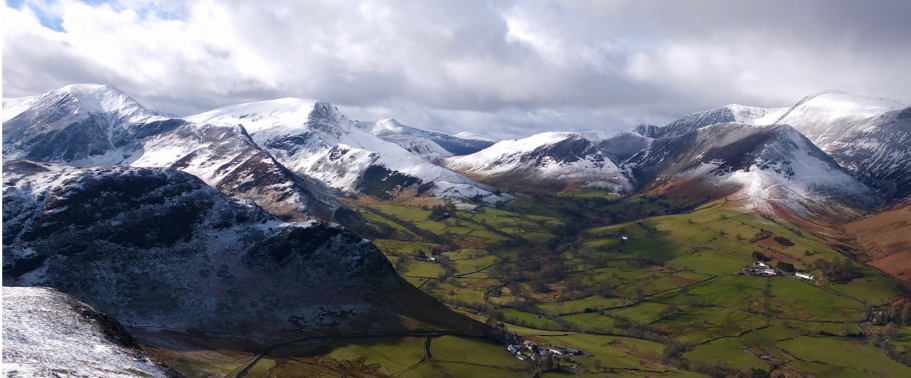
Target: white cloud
[[502, 68]]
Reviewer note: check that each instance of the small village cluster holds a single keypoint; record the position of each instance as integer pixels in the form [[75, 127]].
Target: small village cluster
[[759, 268], [529, 350]]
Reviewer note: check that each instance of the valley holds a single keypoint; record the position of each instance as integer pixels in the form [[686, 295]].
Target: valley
[[281, 238], [643, 282]]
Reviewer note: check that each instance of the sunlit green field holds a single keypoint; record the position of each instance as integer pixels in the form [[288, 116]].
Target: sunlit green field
[[625, 282]]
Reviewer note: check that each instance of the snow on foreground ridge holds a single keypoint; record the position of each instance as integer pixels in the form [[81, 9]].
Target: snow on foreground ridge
[[50, 334], [194, 253]]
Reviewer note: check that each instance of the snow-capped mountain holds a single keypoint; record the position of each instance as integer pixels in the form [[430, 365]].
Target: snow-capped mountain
[[314, 138], [97, 125], [50, 334], [227, 159], [770, 169], [554, 158], [83, 124], [160, 249], [392, 131], [431, 145], [748, 115], [869, 136], [291, 155]]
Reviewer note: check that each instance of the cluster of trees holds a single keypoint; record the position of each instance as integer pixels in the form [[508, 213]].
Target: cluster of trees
[[356, 222], [883, 340], [759, 256], [441, 212], [785, 266], [537, 264], [762, 234], [783, 241], [897, 313], [840, 271]]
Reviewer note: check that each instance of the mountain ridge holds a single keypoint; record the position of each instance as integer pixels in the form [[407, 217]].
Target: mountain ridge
[[159, 249], [311, 146]]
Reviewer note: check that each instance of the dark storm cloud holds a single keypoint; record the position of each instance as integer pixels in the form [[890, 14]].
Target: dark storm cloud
[[502, 69]]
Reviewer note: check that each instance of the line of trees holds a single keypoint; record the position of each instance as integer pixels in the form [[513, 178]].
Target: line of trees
[[839, 271]]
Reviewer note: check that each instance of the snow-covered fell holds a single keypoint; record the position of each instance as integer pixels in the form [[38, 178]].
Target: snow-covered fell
[[50, 334], [769, 169], [158, 248], [314, 138], [431, 145], [82, 124], [392, 131], [546, 158], [828, 118], [747, 115], [869, 136], [15, 106], [96, 125]]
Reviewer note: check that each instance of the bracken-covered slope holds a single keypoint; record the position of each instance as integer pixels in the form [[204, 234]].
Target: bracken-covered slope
[[555, 158], [770, 169], [161, 249], [50, 334], [96, 125], [871, 137]]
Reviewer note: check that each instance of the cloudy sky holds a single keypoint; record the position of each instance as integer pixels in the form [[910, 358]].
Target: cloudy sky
[[503, 69]]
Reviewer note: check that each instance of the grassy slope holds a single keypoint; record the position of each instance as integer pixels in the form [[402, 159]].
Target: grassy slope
[[702, 251], [887, 237]]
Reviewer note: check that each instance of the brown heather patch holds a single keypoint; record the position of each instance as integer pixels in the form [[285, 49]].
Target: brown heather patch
[[684, 329], [887, 236], [644, 356], [754, 348], [658, 269], [681, 281], [774, 254]]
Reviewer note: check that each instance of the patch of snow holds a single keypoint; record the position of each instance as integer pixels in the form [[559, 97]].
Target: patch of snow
[[48, 334], [15, 106], [828, 117], [471, 135], [751, 115], [528, 157], [786, 172]]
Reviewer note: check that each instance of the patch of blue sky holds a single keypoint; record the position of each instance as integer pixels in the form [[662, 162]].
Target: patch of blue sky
[[55, 22], [48, 20]]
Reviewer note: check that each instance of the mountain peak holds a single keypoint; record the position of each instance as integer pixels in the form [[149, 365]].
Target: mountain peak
[[99, 97], [88, 88], [85, 98], [283, 113]]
